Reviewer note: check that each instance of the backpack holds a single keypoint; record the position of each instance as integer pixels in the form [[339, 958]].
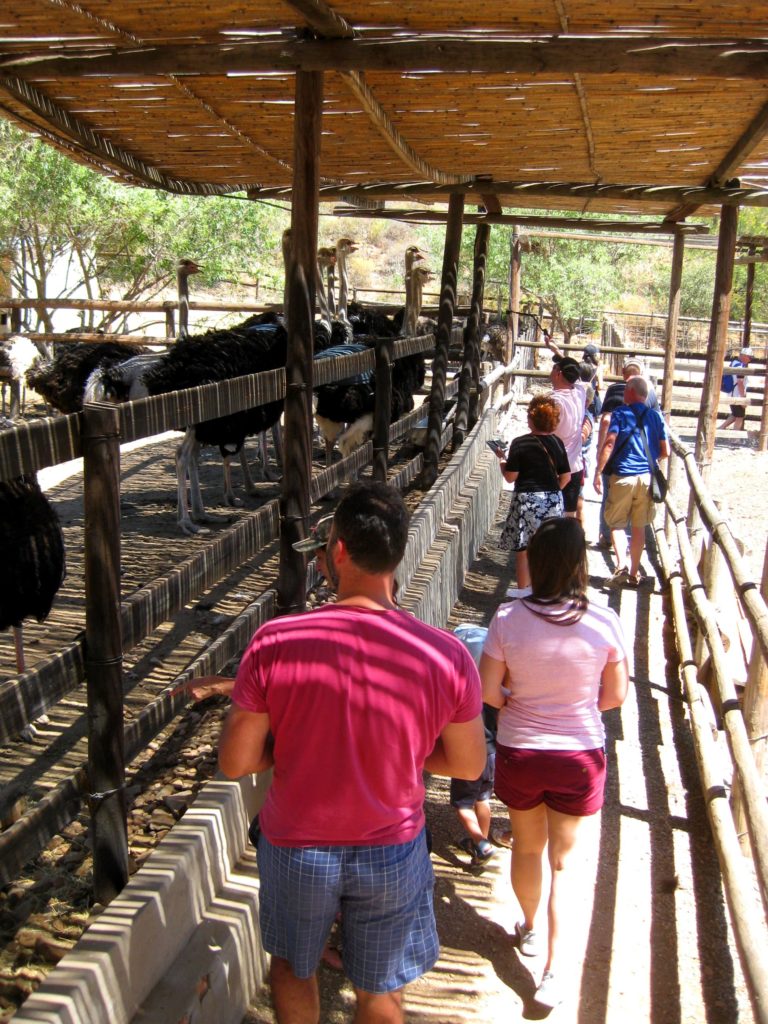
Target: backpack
[[728, 382]]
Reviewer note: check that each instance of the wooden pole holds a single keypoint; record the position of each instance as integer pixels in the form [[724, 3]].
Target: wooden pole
[[747, 332], [762, 437], [716, 346], [103, 645], [673, 315], [297, 468], [170, 319], [515, 268], [748, 927], [469, 381], [382, 412], [755, 709], [443, 338]]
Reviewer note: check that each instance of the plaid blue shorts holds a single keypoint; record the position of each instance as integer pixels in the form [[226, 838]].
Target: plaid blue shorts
[[384, 894]]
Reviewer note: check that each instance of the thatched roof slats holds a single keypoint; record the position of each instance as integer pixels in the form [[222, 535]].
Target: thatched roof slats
[[664, 93]]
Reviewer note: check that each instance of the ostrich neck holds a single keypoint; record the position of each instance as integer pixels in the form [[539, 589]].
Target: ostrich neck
[[406, 328], [341, 262], [322, 300], [331, 290]]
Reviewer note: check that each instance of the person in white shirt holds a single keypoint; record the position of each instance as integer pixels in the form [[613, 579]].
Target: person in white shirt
[[570, 394]]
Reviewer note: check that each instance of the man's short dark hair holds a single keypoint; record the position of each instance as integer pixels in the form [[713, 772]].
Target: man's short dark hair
[[569, 368], [372, 520]]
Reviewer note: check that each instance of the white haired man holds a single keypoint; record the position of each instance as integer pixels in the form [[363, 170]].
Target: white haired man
[[623, 458]]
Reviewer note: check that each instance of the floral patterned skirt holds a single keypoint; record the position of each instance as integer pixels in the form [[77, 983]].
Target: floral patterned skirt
[[527, 511]]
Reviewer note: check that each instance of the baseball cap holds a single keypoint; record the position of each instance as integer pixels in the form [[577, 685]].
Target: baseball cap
[[747, 351], [569, 368], [318, 536], [633, 361], [591, 353]]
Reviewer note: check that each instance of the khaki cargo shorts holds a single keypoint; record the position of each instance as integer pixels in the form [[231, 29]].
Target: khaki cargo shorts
[[629, 501]]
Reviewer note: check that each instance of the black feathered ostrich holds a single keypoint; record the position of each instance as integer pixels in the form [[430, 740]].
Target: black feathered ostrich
[[31, 554], [344, 409]]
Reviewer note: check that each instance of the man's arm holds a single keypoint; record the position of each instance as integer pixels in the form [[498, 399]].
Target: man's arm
[[557, 352], [245, 745], [603, 455], [460, 751]]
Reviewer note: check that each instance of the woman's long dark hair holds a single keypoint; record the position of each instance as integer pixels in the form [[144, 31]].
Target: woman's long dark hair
[[557, 560]]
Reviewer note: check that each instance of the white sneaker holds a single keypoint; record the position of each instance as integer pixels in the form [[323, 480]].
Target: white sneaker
[[514, 592], [548, 993], [526, 940]]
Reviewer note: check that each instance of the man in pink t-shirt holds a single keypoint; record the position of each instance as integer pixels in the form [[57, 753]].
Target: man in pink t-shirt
[[350, 703]]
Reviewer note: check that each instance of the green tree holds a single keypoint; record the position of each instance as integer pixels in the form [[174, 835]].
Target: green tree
[[117, 241]]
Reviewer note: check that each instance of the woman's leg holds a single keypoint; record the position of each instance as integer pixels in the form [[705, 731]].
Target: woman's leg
[[521, 568], [529, 837], [563, 831]]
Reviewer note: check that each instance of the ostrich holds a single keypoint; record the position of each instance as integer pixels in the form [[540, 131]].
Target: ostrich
[[212, 358], [32, 554], [17, 355], [184, 270], [61, 382], [352, 401]]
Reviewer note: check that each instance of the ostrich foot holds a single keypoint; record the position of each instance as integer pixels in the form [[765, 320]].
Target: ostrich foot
[[31, 731]]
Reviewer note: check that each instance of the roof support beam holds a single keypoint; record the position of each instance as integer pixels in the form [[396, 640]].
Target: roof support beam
[[747, 142], [594, 55], [326, 21], [658, 194], [440, 217]]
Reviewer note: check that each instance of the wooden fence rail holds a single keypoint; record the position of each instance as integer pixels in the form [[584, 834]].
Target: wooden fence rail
[[142, 611], [747, 925]]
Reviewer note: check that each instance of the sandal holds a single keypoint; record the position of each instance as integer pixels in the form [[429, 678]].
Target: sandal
[[619, 577]]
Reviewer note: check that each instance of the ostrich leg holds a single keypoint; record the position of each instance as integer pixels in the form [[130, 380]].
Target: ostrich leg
[[187, 455]]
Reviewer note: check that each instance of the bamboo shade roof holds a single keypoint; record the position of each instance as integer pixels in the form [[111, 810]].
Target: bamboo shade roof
[[198, 97]]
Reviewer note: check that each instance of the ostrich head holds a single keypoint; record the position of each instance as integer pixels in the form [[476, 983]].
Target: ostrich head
[[419, 277], [185, 268]]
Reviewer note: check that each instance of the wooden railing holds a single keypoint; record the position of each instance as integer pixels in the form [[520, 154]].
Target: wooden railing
[[96, 434], [739, 825]]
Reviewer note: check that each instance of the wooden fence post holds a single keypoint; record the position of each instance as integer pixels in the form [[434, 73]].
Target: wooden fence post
[[297, 468], [469, 381], [673, 315], [170, 319], [103, 649], [716, 346], [443, 338], [382, 413], [762, 437], [755, 709]]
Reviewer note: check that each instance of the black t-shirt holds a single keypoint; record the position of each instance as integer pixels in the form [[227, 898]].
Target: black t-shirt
[[528, 457], [614, 397]]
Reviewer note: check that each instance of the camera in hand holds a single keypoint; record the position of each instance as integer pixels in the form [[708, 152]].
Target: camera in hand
[[497, 447]]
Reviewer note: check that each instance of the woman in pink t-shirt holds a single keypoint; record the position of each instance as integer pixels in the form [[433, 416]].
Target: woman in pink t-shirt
[[551, 663]]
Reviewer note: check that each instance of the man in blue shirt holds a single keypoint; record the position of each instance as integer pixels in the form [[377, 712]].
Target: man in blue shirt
[[623, 457]]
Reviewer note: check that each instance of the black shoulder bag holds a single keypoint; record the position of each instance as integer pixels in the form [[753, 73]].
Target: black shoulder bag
[[658, 486]]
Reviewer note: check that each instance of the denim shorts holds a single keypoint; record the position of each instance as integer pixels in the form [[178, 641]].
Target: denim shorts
[[384, 894], [466, 794]]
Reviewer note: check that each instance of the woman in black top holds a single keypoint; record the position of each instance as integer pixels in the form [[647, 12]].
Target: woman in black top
[[537, 464]]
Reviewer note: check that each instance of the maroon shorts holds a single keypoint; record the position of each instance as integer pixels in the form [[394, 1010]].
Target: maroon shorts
[[568, 781]]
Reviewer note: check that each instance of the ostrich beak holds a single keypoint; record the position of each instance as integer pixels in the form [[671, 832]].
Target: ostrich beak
[[190, 267]]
